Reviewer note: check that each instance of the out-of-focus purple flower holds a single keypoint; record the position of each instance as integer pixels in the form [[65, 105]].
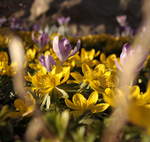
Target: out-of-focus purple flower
[[47, 61], [16, 24], [125, 29], [128, 51], [122, 20], [42, 40], [63, 20], [36, 27], [63, 48], [2, 21]]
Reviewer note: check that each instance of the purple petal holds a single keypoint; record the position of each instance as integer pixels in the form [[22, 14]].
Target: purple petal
[[124, 53], [65, 48], [42, 40], [122, 20], [2, 20], [47, 61], [63, 20], [76, 49], [62, 48], [56, 48]]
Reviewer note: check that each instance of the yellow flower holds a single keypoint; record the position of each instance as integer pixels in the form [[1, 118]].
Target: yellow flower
[[98, 79], [44, 82], [80, 104], [23, 107], [30, 54], [86, 57], [139, 105], [108, 61], [4, 67], [135, 96]]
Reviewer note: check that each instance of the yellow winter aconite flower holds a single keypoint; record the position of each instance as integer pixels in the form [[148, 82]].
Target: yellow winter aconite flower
[[30, 54], [108, 61], [80, 104], [139, 105], [23, 107], [44, 82], [4, 67], [135, 96], [98, 78], [86, 57]]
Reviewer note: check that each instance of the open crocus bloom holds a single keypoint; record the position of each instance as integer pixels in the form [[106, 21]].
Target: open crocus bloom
[[63, 48]]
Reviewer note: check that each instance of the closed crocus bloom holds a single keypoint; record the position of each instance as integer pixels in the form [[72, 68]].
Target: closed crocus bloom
[[47, 61], [63, 48], [128, 51], [42, 40]]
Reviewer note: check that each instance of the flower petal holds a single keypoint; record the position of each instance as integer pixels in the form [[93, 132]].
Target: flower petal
[[70, 104], [92, 98], [56, 48], [77, 76], [86, 69], [99, 107], [79, 100]]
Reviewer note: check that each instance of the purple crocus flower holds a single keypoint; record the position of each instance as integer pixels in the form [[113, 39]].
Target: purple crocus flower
[[47, 61], [128, 51], [122, 20], [42, 40], [2, 21], [63, 20], [125, 29], [63, 48]]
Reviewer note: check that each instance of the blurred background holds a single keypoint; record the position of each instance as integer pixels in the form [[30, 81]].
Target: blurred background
[[87, 16]]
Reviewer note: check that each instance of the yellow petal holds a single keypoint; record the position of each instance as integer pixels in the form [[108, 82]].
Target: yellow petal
[[92, 98], [86, 69], [91, 54], [139, 115], [146, 95], [135, 92], [79, 100], [77, 76], [70, 104], [109, 97], [100, 68], [99, 107], [102, 58], [66, 74]]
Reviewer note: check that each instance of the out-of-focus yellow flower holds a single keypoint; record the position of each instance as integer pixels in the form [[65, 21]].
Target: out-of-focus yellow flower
[[4, 67], [23, 107], [44, 82], [135, 96], [139, 105], [108, 61], [80, 104], [86, 57], [98, 79], [30, 54]]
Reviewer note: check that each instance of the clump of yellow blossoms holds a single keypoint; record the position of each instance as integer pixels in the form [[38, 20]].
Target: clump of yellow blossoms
[[44, 82], [98, 78], [139, 104], [80, 104]]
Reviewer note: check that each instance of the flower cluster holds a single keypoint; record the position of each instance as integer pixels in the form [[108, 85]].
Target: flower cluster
[[65, 79]]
